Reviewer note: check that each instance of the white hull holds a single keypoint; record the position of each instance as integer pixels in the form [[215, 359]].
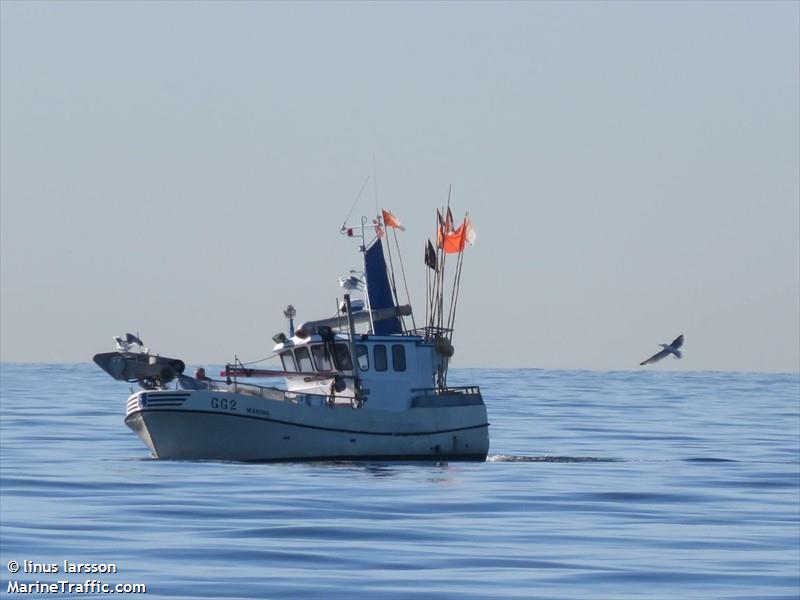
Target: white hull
[[227, 425]]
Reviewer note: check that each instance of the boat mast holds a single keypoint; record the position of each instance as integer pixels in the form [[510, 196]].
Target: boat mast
[[351, 339], [363, 250]]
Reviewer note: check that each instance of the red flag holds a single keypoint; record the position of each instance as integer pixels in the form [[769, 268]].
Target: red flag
[[391, 221], [454, 242]]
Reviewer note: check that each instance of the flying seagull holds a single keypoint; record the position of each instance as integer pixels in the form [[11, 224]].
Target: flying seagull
[[667, 350]]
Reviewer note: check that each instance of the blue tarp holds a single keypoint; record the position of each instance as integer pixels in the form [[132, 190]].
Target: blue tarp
[[379, 290]]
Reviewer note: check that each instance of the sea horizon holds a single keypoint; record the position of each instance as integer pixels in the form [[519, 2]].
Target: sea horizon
[[214, 364]]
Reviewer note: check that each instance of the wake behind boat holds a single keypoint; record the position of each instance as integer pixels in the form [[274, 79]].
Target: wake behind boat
[[361, 384]]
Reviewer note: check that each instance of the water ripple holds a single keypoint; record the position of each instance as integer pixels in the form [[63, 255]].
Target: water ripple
[[599, 485]]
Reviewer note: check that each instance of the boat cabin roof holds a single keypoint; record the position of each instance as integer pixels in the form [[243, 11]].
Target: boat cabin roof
[[384, 354], [360, 338]]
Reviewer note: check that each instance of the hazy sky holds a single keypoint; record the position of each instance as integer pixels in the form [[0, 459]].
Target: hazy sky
[[182, 169]]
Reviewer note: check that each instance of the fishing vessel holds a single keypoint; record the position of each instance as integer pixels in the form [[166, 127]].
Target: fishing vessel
[[364, 383]]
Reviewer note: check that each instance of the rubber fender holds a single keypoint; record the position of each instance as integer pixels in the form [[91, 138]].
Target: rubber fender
[[339, 384], [444, 347]]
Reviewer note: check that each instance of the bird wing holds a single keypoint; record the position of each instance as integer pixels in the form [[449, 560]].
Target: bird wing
[[655, 358], [677, 342]]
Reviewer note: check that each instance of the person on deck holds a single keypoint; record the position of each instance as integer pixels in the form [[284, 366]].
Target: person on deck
[[203, 382], [198, 382]]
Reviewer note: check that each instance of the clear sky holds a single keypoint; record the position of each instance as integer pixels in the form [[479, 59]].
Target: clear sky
[[182, 169]]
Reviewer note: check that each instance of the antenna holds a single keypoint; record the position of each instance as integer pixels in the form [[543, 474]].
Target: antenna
[[352, 208], [289, 313], [375, 183]]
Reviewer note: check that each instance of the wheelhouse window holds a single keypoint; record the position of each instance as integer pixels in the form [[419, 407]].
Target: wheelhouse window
[[322, 358], [398, 357], [303, 360], [342, 354], [287, 358], [379, 357], [362, 354]]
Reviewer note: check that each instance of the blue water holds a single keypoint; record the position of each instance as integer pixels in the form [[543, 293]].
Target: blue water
[[598, 485]]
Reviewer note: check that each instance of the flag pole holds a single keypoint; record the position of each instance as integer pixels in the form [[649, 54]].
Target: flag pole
[[458, 277], [451, 317], [439, 269], [391, 269], [427, 290], [444, 255], [456, 274]]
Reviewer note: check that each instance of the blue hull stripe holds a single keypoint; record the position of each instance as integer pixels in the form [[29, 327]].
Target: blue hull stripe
[[317, 427]]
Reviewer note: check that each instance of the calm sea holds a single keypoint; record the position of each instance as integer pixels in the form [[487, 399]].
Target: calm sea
[[642, 484]]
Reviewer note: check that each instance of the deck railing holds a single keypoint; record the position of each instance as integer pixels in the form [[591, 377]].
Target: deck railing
[[429, 332], [273, 393], [468, 390]]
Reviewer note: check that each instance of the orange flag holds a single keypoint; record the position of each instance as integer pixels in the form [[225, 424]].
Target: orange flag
[[391, 221], [454, 242]]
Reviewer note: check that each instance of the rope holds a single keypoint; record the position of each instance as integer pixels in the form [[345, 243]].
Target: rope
[[391, 276], [403, 271], [252, 362]]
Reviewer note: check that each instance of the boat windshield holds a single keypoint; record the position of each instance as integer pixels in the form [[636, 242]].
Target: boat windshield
[[287, 358], [322, 358], [303, 360]]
